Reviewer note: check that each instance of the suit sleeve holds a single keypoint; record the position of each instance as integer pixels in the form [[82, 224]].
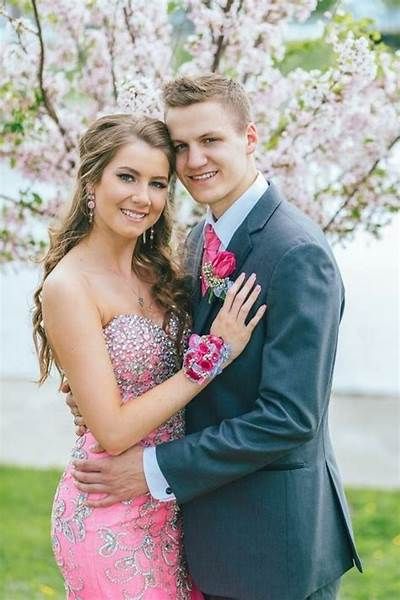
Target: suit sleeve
[[305, 303]]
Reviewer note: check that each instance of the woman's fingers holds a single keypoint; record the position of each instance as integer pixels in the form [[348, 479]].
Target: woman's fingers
[[65, 387], [257, 317], [241, 295], [248, 304], [80, 430], [233, 290]]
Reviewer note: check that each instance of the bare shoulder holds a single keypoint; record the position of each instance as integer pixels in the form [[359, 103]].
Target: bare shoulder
[[66, 288], [64, 279]]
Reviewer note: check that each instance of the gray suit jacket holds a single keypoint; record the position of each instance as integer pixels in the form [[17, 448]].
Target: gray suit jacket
[[265, 516]]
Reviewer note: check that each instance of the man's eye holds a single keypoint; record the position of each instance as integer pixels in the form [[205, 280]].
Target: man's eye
[[179, 147], [126, 177], [210, 140]]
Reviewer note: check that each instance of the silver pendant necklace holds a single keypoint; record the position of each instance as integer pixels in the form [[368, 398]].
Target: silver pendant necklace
[[141, 302]]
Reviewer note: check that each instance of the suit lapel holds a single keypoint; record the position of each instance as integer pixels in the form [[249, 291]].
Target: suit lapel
[[241, 245]]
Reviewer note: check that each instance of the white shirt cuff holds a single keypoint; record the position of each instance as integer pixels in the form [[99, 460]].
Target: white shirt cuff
[[158, 486]]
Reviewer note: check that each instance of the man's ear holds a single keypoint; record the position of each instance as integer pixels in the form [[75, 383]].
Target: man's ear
[[251, 138]]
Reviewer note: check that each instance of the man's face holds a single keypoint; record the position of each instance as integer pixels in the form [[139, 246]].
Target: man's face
[[214, 160]]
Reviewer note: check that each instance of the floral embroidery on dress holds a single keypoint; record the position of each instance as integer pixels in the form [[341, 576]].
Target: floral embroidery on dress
[[133, 548]]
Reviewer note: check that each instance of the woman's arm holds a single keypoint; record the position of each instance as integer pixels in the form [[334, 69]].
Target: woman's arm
[[74, 329]]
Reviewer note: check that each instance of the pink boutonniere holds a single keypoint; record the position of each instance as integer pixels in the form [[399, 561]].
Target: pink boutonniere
[[216, 274]]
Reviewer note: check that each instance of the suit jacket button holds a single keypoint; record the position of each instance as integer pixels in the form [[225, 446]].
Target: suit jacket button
[[168, 490]]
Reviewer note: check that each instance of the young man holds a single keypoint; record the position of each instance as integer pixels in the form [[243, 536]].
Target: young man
[[265, 517]]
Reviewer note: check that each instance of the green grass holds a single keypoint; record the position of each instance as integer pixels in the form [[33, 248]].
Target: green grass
[[28, 571], [27, 567], [376, 522]]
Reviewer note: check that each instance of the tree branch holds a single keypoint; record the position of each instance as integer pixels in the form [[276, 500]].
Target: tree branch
[[20, 203], [221, 43], [110, 46], [127, 24], [358, 184], [45, 98], [18, 25]]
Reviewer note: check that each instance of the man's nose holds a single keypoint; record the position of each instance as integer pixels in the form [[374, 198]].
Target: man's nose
[[196, 158]]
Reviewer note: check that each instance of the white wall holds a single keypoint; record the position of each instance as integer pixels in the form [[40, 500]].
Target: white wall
[[368, 359]]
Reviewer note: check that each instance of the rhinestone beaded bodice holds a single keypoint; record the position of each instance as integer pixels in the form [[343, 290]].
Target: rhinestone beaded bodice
[[143, 355]]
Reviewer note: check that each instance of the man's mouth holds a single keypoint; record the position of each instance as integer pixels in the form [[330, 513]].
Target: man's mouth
[[133, 215], [203, 176]]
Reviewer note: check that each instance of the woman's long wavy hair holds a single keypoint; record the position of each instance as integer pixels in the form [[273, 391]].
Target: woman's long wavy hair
[[152, 262]]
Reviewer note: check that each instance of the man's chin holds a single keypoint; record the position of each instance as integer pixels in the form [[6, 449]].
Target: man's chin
[[203, 197]]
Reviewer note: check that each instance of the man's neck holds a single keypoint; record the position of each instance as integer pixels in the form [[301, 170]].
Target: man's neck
[[217, 214]]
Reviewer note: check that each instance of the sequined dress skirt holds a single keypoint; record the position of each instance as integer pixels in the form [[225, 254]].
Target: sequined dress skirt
[[131, 550]]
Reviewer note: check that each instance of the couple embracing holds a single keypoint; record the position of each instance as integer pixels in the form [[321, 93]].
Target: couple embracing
[[206, 385]]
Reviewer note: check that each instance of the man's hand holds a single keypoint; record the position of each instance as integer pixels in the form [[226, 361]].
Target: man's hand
[[119, 477], [80, 428]]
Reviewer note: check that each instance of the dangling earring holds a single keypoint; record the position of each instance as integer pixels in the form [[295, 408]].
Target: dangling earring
[[144, 237], [151, 236], [91, 205]]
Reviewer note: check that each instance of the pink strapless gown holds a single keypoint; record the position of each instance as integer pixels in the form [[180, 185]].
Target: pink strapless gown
[[131, 550]]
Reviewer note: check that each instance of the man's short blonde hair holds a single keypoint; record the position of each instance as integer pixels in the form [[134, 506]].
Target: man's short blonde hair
[[184, 91]]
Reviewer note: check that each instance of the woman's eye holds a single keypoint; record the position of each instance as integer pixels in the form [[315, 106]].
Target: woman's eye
[[210, 140], [126, 177], [159, 185], [179, 147]]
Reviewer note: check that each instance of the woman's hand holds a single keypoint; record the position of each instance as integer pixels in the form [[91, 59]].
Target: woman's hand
[[230, 323]]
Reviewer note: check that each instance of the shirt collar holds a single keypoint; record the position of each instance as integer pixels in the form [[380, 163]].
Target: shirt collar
[[230, 221]]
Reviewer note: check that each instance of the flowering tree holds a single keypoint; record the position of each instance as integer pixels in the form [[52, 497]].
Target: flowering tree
[[329, 137]]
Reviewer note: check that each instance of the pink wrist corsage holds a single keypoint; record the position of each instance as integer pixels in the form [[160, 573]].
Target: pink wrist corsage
[[204, 357]]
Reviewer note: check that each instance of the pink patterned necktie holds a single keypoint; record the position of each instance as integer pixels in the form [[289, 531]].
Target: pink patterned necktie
[[212, 245]]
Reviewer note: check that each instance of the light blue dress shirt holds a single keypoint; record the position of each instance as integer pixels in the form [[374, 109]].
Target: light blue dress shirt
[[225, 228]]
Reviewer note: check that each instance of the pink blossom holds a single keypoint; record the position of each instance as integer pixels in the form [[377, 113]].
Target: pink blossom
[[328, 139]]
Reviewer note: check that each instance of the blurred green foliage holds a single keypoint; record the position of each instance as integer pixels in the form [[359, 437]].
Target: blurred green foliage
[[28, 570], [307, 55], [392, 3], [325, 5]]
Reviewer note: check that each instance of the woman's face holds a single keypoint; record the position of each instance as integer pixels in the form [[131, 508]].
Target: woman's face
[[133, 189]]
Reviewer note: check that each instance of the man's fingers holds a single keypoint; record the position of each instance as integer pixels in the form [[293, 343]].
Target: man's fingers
[[257, 317], [86, 476], [65, 387], [88, 465], [69, 400], [81, 430], [91, 488], [78, 420], [102, 502], [97, 449]]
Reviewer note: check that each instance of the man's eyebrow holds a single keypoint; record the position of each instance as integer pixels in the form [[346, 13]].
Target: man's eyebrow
[[203, 135]]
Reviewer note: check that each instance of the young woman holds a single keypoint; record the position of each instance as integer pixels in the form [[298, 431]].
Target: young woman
[[112, 314]]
